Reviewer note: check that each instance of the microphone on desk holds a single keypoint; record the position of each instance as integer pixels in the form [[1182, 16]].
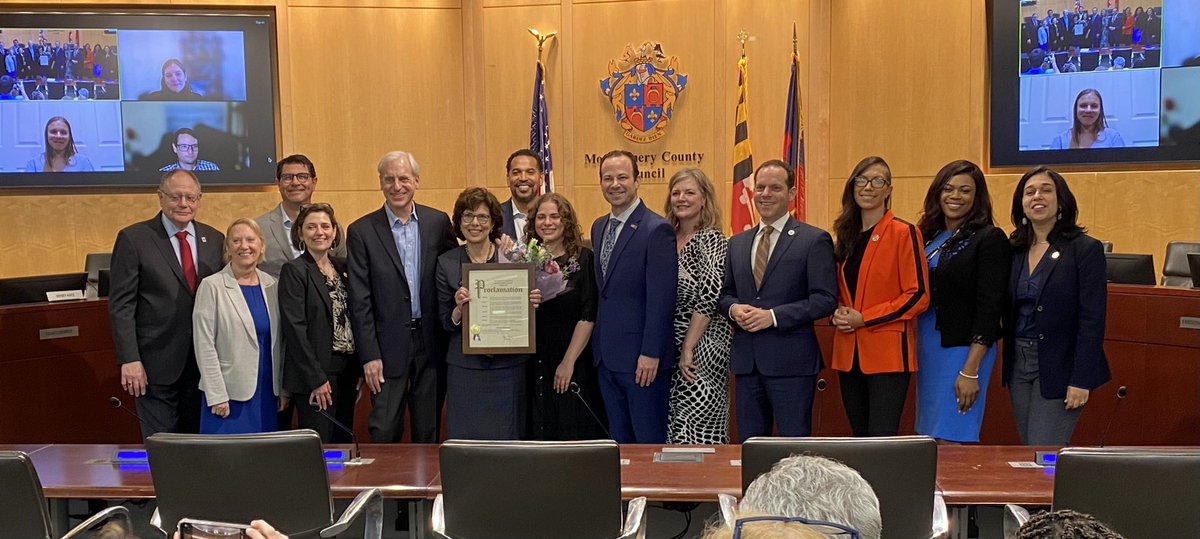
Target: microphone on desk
[[821, 385], [116, 403], [574, 388], [357, 460], [1122, 392]]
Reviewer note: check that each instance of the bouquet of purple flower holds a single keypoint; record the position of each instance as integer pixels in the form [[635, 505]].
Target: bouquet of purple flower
[[551, 279]]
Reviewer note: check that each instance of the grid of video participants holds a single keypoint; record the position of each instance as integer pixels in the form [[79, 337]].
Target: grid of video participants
[[1109, 74], [105, 100]]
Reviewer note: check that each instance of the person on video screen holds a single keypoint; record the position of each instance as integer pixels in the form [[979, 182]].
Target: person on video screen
[[60, 154], [1089, 129], [174, 84], [187, 150]]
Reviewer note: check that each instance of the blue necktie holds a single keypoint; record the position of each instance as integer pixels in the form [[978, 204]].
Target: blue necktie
[[610, 241]]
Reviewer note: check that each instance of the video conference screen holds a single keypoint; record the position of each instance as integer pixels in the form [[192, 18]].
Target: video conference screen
[[117, 98], [1095, 81]]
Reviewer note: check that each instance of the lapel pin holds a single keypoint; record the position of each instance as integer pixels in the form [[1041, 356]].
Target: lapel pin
[[1054, 255], [875, 237], [792, 232], [633, 226], [203, 239]]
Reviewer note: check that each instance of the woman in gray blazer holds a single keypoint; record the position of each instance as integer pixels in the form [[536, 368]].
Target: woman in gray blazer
[[238, 348]]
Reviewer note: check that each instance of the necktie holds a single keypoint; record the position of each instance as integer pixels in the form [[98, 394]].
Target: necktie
[[610, 241], [761, 254], [185, 260]]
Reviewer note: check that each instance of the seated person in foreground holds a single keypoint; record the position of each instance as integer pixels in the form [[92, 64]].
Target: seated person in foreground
[[1065, 524]]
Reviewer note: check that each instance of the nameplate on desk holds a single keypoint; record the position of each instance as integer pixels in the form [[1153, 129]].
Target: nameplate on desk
[[687, 449], [67, 332], [1189, 322], [64, 295], [678, 457]]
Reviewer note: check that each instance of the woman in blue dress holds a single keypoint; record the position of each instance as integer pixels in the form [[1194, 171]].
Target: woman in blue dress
[[238, 347], [968, 271]]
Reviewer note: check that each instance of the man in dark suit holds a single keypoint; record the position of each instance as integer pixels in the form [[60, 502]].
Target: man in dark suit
[[393, 304], [779, 277], [296, 177], [637, 271], [156, 267], [525, 177]]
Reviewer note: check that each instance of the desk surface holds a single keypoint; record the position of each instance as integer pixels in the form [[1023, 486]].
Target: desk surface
[[966, 475]]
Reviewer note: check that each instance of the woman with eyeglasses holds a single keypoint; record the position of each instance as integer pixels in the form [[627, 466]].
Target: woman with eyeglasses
[[1054, 313], [883, 285], [968, 275], [485, 394], [319, 363]]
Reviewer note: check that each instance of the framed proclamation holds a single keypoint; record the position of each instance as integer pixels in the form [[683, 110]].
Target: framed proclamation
[[499, 318]]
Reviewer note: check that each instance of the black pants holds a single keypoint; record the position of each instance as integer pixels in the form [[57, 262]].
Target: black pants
[[873, 402], [343, 388], [417, 390], [172, 407]]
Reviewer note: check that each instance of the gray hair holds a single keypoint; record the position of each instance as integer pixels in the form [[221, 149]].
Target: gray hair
[[816, 488], [166, 177], [395, 155]]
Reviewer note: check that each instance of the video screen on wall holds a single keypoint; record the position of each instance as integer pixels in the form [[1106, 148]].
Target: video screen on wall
[[1095, 81], [117, 98]]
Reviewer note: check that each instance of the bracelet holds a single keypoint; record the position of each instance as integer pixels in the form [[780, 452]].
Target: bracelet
[[965, 375]]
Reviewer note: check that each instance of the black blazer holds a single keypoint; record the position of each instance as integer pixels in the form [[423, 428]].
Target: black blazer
[[1069, 317], [968, 287], [509, 226], [307, 314], [149, 304], [449, 279], [380, 306]]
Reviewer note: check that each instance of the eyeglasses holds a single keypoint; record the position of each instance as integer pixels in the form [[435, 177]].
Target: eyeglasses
[[176, 199], [826, 528], [878, 182], [481, 218], [187, 147], [303, 177]]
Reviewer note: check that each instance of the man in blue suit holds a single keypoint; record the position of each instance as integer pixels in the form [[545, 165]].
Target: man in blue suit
[[779, 278], [637, 269]]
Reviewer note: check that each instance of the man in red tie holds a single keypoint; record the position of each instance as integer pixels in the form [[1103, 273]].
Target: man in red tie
[[156, 266]]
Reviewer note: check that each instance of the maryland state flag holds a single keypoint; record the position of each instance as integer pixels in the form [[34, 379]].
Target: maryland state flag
[[741, 214], [793, 139]]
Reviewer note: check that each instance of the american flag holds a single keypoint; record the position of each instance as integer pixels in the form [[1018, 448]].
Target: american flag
[[793, 139], [539, 128]]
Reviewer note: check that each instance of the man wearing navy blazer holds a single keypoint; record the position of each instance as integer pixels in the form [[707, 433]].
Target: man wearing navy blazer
[[779, 277], [393, 304], [156, 267], [524, 173], [637, 269]]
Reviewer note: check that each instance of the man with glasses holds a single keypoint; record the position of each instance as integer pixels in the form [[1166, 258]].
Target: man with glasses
[[296, 177], [156, 267], [187, 152], [393, 304]]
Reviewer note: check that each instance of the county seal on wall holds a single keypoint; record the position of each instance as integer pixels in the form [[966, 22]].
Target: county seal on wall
[[642, 87]]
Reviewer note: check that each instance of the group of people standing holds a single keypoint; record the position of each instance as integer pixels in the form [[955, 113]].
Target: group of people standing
[[1100, 28], [30, 60], [657, 310]]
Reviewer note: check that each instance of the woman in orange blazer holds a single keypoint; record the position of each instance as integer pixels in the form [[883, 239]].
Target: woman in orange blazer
[[883, 284]]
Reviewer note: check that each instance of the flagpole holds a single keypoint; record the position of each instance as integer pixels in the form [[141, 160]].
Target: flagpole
[[541, 39], [539, 122]]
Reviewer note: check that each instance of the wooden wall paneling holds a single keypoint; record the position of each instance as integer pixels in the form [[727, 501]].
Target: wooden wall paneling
[[40, 236], [817, 113], [376, 4], [508, 67], [601, 32], [367, 81], [475, 134]]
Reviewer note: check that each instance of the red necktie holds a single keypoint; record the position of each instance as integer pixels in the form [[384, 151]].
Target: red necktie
[[185, 260]]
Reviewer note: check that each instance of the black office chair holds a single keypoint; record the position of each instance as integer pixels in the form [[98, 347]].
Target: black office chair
[[92, 264], [1140, 492], [901, 469], [1107, 245], [23, 510], [279, 477], [1176, 271], [533, 490]]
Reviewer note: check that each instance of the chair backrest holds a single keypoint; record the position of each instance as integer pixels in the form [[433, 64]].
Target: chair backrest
[[901, 469], [1139, 492], [279, 477], [1108, 246], [1175, 270], [531, 490], [95, 262], [22, 506]]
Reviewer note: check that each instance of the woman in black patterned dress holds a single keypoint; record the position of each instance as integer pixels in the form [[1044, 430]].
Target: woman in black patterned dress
[[564, 393], [699, 411]]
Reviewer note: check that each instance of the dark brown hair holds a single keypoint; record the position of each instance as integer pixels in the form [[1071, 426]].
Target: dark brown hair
[[572, 232], [848, 226], [295, 159], [618, 153], [298, 225], [469, 199], [1065, 227]]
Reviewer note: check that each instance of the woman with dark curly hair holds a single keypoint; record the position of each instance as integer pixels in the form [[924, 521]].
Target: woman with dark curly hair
[[485, 394], [1065, 524]]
